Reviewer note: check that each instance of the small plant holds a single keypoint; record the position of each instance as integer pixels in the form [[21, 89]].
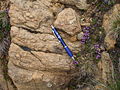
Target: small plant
[[86, 35], [109, 2], [97, 50], [116, 25], [115, 86], [4, 23]]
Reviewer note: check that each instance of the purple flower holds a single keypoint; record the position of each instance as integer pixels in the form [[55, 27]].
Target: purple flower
[[98, 56], [84, 28], [83, 38], [87, 28], [75, 62], [95, 25], [98, 52], [88, 37], [86, 34], [106, 1], [82, 42], [96, 46], [7, 10], [87, 31]]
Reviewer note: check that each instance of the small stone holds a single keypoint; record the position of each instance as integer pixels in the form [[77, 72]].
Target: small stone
[[102, 48], [27, 14], [85, 24], [17, 55], [49, 84], [31, 16], [80, 35]]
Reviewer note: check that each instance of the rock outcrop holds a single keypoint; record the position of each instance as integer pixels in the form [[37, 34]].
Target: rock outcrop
[[107, 63], [109, 18], [5, 81], [80, 4], [37, 60], [106, 68], [110, 40]]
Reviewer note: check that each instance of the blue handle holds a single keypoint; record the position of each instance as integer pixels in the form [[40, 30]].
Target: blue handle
[[68, 51], [62, 42]]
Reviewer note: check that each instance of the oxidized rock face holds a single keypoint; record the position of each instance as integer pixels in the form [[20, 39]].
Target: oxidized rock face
[[37, 59]]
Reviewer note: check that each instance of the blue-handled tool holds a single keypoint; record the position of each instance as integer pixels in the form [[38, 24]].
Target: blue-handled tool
[[63, 44]]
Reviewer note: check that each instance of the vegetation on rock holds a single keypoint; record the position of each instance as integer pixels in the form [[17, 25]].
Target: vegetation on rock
[[38, 62]]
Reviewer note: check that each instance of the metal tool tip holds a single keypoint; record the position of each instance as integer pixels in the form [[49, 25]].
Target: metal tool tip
[[73, 58]]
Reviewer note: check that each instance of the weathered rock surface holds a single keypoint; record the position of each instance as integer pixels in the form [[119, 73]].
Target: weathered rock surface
[[68, 21], [37, 60], [110, 40], [28, 71], [80, 4], [109, 18], [29, 13], [5, 80], [106, 68], [119, 65]]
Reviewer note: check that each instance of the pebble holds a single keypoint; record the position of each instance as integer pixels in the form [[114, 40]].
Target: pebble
[[80, 35]]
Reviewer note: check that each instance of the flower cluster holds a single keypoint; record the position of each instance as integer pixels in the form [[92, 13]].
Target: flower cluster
[[98, 51], [75, 62], [7, 10], [86, 31]]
